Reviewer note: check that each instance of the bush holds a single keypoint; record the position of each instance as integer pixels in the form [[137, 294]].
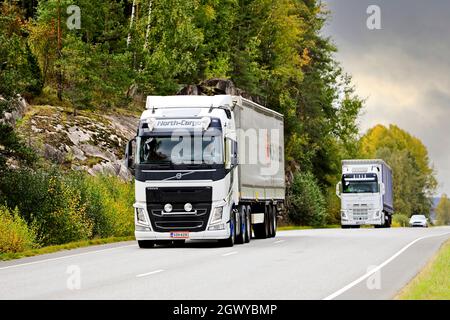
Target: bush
[[110, 204], [65, 207], [307, 203], [15, 236], [400, 220], [47, 202]]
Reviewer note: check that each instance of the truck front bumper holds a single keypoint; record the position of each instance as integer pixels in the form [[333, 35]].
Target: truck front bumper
[[203, 235], [362, 222]]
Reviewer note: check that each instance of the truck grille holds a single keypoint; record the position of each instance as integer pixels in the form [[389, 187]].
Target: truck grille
[[178, 219], [360, 212]]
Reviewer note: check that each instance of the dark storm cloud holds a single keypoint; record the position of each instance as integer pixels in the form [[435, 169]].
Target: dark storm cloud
[[403, 69]]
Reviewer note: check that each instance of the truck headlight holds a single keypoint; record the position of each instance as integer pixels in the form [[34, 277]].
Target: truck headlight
[[168, 208], [219, 226], [188, 207], [140, 216], [217, 215]]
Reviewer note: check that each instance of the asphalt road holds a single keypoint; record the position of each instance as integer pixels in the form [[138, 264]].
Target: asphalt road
[[304, 264]]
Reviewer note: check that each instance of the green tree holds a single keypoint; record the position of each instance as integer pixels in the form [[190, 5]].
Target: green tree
[[414, 178], [307, 203], [19, 74], [443, 211]]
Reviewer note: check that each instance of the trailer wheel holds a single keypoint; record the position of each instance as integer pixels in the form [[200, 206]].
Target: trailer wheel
[[248, 229], [240, 238], [260, 229], [267, 221], [146, 244], [230, 241], [274, 220], [271, 225]]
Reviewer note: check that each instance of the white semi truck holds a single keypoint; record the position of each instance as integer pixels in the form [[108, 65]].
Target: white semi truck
[[366, 193], [206, 167]]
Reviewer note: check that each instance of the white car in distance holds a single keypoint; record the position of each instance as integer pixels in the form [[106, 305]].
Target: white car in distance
[[418, 220]]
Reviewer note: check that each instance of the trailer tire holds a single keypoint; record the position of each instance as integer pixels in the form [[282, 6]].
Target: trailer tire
[[240, 238], [274, 221], [229, 242], [260, 229], [146, 244], [267, 221], [248, 229]]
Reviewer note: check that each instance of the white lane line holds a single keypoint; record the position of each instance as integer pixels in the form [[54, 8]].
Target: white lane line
[[64, 257], [371, 272], [229, 253], [149, 273], [279, 241]]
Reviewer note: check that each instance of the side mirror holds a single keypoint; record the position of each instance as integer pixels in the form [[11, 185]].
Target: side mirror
[[338, 189], [231, 158], [382, 189], [129, 155], [234, 154]]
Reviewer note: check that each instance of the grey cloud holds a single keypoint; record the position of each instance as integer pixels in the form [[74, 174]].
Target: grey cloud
[[403, 69]]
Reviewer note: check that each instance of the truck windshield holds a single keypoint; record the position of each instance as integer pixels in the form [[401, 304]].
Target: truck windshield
[[179, 150], [357, 183]]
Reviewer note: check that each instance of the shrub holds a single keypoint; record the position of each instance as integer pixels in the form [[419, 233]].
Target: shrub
[[307, 203], [47, 202], [110, 204], [400, 220], [15, 236], [65, 207]]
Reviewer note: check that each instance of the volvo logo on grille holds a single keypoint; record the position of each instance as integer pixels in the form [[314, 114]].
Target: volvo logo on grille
[[179, 176]]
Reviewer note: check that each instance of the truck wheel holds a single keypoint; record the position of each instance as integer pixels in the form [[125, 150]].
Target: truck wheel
[[230, 241], [267, 220], [146, 244], [274, 219], [270, 221], [387, 222], [240, 238], [260, 229], [248, 229]]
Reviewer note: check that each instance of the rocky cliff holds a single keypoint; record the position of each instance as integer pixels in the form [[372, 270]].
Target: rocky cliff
[[91, 141]]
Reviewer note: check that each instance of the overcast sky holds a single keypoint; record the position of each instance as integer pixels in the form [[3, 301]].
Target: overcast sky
[[403, 69]]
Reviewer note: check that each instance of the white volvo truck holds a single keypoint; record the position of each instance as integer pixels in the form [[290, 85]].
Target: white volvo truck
[[206, 167], [366, 193]]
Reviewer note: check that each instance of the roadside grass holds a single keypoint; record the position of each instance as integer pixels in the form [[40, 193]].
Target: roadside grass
[[433, 282], [67, 246], [286, 228]]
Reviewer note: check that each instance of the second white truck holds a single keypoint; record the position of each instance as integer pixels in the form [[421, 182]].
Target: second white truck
[[207, 167], [366, 193]]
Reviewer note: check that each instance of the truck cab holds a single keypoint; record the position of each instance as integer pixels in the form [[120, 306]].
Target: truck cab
[[184, 160], [365, 191]]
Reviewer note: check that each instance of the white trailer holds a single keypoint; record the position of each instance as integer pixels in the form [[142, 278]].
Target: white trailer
[[207, 167], [366, 193]]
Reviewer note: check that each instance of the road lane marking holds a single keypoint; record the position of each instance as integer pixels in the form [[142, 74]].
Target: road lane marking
[[149, 273], [379, 267], [63, 257], [279, 241], [229, 253]]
